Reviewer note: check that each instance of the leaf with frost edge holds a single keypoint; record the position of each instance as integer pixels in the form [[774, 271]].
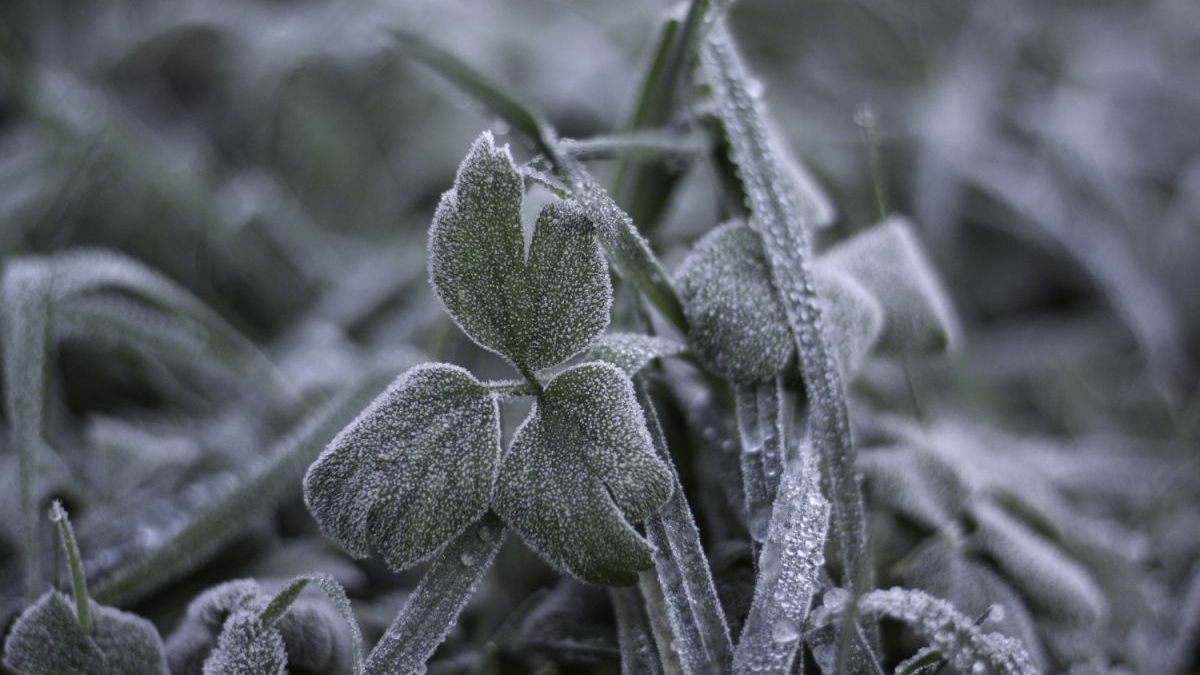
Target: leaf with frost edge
[[361, 492], [47, 640], [580, 466], [536, 308]]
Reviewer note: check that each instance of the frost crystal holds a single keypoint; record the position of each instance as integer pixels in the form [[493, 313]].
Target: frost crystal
[[413, 470], [631, 352], [47, 640], [961, 642], [579, 467], [537, 310], [247, 647]]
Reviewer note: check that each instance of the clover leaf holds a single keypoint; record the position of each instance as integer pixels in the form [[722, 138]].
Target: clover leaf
[[413, 470], [878, 292], [47, 639], [537, 308], [579, 468], [737, 325]]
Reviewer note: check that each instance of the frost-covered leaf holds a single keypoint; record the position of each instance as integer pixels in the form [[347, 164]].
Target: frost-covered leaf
[[632, 351], [964, 645], [537, 310], [855, 317], [580, 466], [1052, 581], [313, 631], [737, 325], [47, 640], [247, 647], [889, 262], [413, 470]]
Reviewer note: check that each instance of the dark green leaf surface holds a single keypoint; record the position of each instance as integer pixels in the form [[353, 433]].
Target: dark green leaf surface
[[47, 640], [413, 470], [580, 467], [537, 310]]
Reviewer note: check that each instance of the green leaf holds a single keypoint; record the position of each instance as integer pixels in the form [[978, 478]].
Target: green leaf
[[580, 466], [889, 262], [631, 352], [737, 322], [537, 311], [413, 470], [48, 640]]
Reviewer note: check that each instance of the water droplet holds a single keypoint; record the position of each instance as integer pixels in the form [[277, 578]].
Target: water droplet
[[997, 613], [785, 630], [467, 558], [485, 533]]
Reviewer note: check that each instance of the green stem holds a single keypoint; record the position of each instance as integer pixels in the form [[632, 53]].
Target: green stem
[[66, 533]]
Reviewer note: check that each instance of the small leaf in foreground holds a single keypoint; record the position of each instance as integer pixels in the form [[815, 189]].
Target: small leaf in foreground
[[48, 640], [413, 470], [580, 467]]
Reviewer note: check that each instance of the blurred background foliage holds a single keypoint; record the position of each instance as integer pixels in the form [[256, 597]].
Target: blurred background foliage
[[282, 160]]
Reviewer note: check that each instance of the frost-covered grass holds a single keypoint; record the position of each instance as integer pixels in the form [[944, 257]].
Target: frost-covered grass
[[836, 336]]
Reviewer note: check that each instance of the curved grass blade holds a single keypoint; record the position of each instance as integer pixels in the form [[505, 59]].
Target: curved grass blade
[[434, 607], [785, 236], [337, 597], [262, 489], [689, 594]]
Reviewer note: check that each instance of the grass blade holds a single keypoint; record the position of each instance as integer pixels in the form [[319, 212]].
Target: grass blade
[[785, 235], [634, 634], [435, 605], [689, 594]]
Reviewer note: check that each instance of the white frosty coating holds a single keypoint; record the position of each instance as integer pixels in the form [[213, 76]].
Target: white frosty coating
[[414, 469], [631, 351], [790, 567], [737, 328], [760, 430], [688, 592], [247, 647], [434, 606], [47, 640], [785, 238], [1051, 580], [944, 571], [923, 656], [310, 633], [537, 310], [856, 318], [968, 648], [580, 465], [889, 261]]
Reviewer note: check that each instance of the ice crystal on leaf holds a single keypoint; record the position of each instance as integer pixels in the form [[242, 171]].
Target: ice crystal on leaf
[[536, 308], [631, 352], [413, 470], [580, 466]]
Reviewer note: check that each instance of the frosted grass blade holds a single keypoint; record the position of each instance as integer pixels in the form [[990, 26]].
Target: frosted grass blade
[[790, 567], [785, 236], [634, 634], [434, 607], [276, 478], [690, 596]]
